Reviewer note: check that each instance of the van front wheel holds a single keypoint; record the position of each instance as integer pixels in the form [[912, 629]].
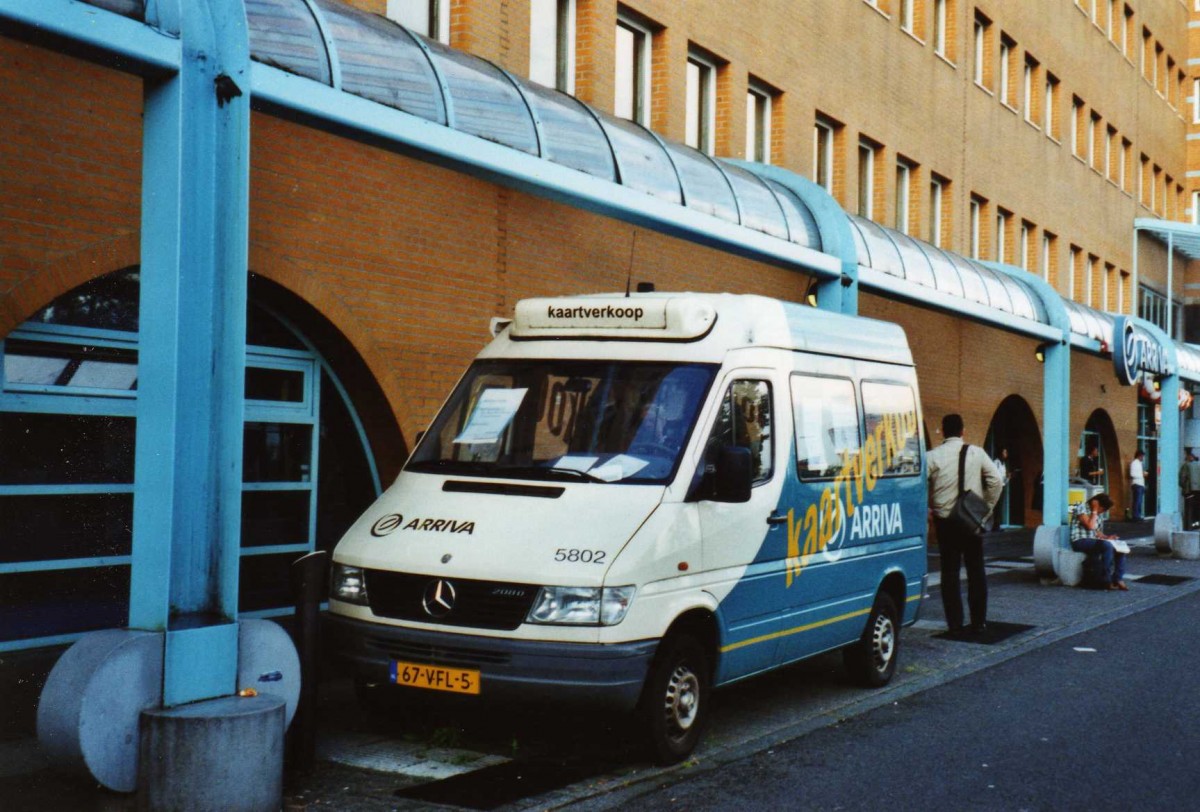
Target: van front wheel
[[872, 660], [674, 704]]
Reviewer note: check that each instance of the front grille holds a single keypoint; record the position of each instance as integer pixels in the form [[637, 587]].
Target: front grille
[[434, 654], [479, 604]]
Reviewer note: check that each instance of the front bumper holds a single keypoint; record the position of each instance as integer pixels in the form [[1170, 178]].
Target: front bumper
[[605, 676]]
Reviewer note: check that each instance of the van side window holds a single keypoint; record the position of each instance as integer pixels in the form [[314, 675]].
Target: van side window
[[744, 420], [827, 430], [891, 417]]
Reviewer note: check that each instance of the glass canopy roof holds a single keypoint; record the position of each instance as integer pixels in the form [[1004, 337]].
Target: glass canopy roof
[[372, 57]]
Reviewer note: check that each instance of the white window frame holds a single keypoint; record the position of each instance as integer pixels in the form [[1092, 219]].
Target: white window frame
[[639, 72], [937, 189], [1005, 58], [700, 106], [1074, 262], [758, 122], [906, 15], [1025, 246], [976, 218], [436, 11], [904, 180], [866, 177], [1001, 232], [939, 27], [563, 13], [1196, 200], [1089, 278], [1196, 99], [1093, 119], [1046, 256], [980, 50], [1048, 106], [1076, 111], [1028, 92], [823, 145]]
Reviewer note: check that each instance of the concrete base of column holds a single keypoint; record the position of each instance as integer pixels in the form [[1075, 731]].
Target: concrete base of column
[[1186, 544], [1164, 525], [213, 756], [1046, 540]]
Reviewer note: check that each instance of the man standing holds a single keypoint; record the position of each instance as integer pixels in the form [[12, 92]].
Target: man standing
[[1137, 481], [957, 547], [1189, 483], [1089, 466]]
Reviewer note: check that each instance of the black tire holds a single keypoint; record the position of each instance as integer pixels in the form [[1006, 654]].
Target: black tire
[[872, 660], [674, 705]]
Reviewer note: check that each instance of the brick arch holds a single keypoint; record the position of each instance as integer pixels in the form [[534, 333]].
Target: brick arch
[[308, 285], [49, 280], [1014, 427]]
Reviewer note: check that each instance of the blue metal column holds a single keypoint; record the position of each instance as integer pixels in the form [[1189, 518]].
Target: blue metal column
[[195, 210], [838, 295], [1169, 437]]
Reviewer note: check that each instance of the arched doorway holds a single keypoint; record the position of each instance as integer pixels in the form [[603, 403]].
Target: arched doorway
[[1014, 429], [1099, 432], [68, 395]]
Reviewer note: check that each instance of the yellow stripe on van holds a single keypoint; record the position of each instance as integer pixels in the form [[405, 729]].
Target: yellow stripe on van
[[912, 598], [786, 632]]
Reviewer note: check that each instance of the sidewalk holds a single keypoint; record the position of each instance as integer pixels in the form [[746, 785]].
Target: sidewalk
[[443, 755]]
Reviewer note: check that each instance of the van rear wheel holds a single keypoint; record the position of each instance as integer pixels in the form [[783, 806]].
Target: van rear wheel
[[871, 661], [674, 704]]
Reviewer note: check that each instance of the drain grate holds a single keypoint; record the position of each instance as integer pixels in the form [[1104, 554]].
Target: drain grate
[[1165, 580], [993, 634], [502, 784]]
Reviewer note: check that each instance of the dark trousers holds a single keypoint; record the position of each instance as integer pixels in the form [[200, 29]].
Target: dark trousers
[[956, 549]]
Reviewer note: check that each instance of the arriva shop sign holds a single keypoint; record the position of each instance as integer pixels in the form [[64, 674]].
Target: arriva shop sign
[[1134, 352]]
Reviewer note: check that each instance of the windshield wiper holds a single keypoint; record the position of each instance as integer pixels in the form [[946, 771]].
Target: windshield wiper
[[546, 469]]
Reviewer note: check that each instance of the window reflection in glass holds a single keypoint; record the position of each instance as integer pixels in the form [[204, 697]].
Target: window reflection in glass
[[745, 421], [44, 363], [286, 385], [277, 452], [826, 418]]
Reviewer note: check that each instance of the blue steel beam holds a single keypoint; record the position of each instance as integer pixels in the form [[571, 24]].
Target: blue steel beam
[[93, 34], [1169, 437], [318, 105], [188, 464]]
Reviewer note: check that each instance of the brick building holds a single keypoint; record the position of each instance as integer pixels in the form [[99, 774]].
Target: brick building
[[1033, 134]]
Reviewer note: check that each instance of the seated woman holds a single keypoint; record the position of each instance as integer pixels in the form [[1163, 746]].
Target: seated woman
[[1088, 536]]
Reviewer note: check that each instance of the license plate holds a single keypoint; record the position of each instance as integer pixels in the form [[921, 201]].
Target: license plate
[[433, 677]]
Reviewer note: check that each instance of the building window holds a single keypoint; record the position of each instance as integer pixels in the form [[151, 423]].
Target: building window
[[1196, 208], [758, 123], [1145, 195], [983, 32], [907, 15], [1074, 272], [1089, 279], [1155, 308], [700, 109], [632, 91], [977, 213], [1005, 60], [1125, 169], [905, 176], [1049, 259], [552, 43], [430, 18], [1196, 101], [1003, 221], [1026, 247], [867, 150], [1110, 156], [1076, 126], [941, 18], [1032, 71], [937, 205], [1093, 131], [1050, 107], [824, 131]]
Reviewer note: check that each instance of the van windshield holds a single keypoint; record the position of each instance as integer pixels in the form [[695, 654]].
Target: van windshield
[[599, 421]]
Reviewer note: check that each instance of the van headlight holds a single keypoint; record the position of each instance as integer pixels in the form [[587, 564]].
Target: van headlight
[[581, 605], [348, 584]]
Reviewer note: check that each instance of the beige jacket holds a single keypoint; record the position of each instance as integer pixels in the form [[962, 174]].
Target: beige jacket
[[981, 476]]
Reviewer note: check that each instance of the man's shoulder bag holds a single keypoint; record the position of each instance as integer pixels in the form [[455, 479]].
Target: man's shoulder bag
[[970, 511]]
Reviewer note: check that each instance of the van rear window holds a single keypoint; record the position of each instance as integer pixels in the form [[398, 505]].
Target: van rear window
[[827, 427]]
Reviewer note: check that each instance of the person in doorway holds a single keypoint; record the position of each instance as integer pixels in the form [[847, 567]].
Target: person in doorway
[[1088, 536], [1001, 512], [954, 546], [1089, 466], [1189, 484], [1137, 482]]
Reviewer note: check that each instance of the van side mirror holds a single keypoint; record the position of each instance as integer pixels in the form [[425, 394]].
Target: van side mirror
[[732, 478]]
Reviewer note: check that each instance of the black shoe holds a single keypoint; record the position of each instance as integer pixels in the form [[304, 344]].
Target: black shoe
[[978, 629], [954, 632]]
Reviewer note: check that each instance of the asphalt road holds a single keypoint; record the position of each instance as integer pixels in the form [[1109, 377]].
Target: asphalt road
[[1089, 722]]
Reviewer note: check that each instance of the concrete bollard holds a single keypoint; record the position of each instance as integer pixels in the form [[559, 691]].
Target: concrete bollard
[[1186, 544], [1068, 566], [213, 756]]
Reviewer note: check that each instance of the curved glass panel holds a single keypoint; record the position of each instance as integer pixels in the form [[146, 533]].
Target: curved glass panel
[[861, 249], [570, 135], [485, 102], [284, 34], [916, 264], [704, 187], [1026, 302], [760, 209], [945, 274], [381, 63], [641, 160], [997, 293], [882, 251], [973, 287], [802, 226]]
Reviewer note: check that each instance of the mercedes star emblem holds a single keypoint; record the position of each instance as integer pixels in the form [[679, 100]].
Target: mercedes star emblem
[[438, 599]]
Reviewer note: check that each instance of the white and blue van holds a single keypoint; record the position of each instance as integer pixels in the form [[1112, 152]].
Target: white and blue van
[[628, 500]]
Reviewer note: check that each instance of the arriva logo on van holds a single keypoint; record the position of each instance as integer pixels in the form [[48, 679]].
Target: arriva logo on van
[[386, 525], [824, 524]]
